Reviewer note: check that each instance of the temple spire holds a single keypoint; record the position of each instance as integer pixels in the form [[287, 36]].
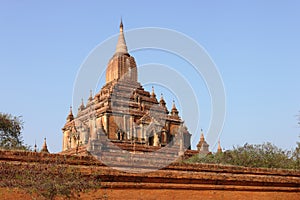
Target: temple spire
[[219, 147], [45, 148], [35, 147], [202, 146], [81, 107], [153, 95], [70, 116], [162, 101], [121, 25], [121, 45], [174, 110], [173, 105], [91, 95], [202, 136]]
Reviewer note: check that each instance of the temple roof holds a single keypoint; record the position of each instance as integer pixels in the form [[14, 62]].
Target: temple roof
[[121, 45]]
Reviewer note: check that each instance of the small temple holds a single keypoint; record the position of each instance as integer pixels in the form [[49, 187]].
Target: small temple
[[44, 148], [202, 146]]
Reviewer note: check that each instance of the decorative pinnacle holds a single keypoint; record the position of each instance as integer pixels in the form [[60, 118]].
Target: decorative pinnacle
[[202, 135], [81, 107], [35, 147], [153, 93], [219, 147], [173, 105], [121, 25], [45, 148], [91, 95], [70, 115]]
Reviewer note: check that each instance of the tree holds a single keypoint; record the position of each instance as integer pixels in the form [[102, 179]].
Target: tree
[[10, 132], [296, 153], [296, 156]]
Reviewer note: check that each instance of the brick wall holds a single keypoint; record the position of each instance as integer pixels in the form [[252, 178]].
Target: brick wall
[[176, 181]]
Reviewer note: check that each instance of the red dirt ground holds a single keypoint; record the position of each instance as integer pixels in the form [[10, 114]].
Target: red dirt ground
[[13, 194]]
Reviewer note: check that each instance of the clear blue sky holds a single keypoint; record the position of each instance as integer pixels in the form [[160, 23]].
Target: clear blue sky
[[255, 45]]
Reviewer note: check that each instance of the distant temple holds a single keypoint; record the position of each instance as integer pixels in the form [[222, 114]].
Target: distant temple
[[44, 148], [202, 146], [124, 111]]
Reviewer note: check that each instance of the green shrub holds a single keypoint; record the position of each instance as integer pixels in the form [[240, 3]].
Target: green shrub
[[264, 155]]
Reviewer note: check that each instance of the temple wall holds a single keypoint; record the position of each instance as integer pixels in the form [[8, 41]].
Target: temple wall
[[177, 181], [65, 140]]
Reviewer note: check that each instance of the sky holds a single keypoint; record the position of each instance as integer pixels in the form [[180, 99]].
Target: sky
[[255, 46]]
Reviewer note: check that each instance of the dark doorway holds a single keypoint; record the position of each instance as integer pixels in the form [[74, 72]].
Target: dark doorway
[[151, 140]]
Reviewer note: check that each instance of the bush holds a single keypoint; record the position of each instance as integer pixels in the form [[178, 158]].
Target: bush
[[47, 180], [262, 155]]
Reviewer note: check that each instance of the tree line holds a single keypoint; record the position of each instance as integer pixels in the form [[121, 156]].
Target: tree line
[[264, 155]]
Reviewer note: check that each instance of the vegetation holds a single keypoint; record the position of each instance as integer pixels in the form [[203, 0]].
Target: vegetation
[[264, 155], [10, 132], [48, 180], [296, 155]]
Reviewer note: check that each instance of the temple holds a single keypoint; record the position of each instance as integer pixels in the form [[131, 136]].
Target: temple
[[125, 112], [202, 146]]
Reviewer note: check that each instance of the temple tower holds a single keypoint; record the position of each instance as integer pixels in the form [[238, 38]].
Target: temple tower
[[121, 65], [124, 111]]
